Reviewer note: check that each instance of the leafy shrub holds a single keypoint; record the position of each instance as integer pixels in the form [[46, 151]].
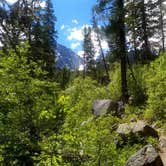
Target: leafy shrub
[[136, 85], [115, 84], [28, 108], [156, 85]]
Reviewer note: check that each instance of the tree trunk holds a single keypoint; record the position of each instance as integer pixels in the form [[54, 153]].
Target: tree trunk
[[134, 32], [122, 52], [84, 69], [161, 26], [102, 54], [147, 52]]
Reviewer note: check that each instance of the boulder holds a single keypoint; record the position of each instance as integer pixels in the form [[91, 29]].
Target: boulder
[[147, 156], [162, 147], [105, 106], [124, 129], [137, 128], [162, 141]]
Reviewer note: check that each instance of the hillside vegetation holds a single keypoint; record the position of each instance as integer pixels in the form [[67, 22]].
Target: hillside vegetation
[[43, 125], [110, 113]]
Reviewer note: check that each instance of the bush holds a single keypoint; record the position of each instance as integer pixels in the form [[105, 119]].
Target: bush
[[136, 85], [115, 84], [156, 86], [29, 109]]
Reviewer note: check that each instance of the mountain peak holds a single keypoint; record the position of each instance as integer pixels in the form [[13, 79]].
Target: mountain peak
[[66, 58]]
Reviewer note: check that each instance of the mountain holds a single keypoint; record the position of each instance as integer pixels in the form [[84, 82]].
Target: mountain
[[66, 58]]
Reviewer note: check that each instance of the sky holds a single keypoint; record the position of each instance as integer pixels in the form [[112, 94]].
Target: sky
[[72, 16]]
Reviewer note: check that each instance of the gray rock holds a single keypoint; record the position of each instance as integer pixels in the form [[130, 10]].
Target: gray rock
[[124, 129], [103, 107], [140, 127], [147, 156], [162, 142]]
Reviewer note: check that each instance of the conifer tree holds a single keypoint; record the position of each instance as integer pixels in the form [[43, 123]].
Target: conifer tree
[[145, 30], [113, 10], [98, 37], [49, 37], [29, 21], [162, 23], [138, 27], [89, 52]]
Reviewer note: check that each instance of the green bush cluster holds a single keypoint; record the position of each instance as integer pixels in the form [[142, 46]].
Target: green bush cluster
[[28, 109], [156, 90], [86, 140], [91, 141], [42, 124]]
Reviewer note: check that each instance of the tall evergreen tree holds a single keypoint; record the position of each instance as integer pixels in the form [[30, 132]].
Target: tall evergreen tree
[[49, 37], [28, 21], [114, 12], [98, 38], [144, 20], [162, 23], [132, 12], [89, 52]]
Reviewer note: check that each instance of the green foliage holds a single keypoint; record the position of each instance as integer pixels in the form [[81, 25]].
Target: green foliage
[[137, 85], [41, 125], [29, 110], [86, 140], [156, 85], [89, 53], [81, 94], [44, 123], [28, 21], [153, 141], [115, 84], [63, 77]]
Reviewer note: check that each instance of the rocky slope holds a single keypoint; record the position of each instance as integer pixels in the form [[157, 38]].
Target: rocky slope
[[66, 58]]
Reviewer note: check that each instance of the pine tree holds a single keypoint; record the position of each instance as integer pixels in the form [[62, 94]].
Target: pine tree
[[49, 37], [132, 12], [162, 23], [144, 27], [98, 37], [89, 53], [137, 21], [27, 21], [113, 10]]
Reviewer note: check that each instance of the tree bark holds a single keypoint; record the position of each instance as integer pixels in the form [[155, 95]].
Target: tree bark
[[147, 52], [162, 26], [122, 52]]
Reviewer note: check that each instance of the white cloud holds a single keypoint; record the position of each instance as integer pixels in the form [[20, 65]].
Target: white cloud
[[62, 27], [104, 44], [75, 34], [43, 4], [11, 1], [75, 21], [80, 53], [81, 67], [75, 45], [1, 44]]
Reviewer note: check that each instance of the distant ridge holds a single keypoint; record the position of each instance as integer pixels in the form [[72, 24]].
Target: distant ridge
[[66, 58]]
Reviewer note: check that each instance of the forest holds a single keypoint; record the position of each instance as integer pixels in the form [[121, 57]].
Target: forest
[[49, 116]]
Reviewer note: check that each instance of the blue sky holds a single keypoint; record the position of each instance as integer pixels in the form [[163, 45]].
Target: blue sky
[[72, 16]]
